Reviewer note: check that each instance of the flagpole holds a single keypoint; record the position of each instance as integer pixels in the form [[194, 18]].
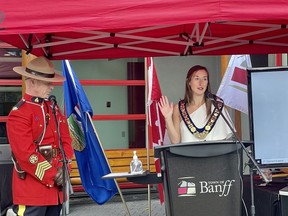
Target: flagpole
[[146, 134], [116, 183]]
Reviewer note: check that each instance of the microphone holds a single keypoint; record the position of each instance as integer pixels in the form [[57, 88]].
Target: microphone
[[52, 99], [214, 98], [211, 96]]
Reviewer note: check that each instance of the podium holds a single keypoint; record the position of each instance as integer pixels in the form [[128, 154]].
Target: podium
[[201, 178]]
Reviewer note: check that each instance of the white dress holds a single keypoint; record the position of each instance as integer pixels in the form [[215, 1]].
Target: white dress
[[220, 131]]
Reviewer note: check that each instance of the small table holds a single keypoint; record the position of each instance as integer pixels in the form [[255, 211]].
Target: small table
[[141, 178]]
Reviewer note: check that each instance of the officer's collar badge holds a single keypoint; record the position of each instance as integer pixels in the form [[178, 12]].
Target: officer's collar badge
[[37, 99]]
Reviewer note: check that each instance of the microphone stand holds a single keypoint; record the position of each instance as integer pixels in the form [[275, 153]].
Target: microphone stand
[[252, 163], [65, 172]]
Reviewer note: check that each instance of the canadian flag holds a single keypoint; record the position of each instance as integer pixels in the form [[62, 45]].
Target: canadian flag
[[156, 122], [233, 87]]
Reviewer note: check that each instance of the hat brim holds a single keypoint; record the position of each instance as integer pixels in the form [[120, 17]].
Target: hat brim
[[22, 71]]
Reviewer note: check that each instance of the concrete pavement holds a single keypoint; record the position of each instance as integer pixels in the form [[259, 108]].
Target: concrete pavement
[[136, 203]]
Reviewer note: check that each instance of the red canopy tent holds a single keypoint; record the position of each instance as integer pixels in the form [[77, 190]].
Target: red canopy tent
[[87, 29], [90, 29]]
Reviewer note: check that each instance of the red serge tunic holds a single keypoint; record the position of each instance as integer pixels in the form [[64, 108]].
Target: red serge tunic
[[25, 124]]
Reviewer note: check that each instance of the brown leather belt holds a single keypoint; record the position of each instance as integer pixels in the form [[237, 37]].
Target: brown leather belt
[[48, 152]]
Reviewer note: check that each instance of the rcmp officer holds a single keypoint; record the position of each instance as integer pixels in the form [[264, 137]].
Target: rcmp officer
[[33, 136]]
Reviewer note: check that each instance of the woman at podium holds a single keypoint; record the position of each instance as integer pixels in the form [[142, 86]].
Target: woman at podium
[[198, 115]]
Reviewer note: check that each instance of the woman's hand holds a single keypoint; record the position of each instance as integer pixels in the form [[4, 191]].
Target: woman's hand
[[165, 107]]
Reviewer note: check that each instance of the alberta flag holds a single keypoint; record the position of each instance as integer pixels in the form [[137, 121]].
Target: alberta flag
[[233, 88], [91, 161]]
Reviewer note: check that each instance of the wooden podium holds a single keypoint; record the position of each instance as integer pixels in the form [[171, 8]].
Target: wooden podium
[[201, 178]]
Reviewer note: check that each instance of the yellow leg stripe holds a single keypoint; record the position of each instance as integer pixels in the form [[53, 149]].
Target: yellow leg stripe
[[21, 210]]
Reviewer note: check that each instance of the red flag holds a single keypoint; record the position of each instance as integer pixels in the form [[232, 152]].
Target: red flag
[[156, 122]]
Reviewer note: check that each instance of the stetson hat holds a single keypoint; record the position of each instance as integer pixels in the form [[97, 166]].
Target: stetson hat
[[40, 68]]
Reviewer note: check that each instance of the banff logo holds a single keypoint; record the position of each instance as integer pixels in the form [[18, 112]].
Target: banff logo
[[186, 187]]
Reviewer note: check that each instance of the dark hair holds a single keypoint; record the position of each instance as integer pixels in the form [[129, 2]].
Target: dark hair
[[188, 97]]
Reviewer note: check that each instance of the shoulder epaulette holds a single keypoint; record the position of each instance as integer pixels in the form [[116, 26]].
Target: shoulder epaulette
[[19, 104]]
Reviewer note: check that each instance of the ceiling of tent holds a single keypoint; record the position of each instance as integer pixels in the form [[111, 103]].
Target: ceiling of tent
[[85, 30]]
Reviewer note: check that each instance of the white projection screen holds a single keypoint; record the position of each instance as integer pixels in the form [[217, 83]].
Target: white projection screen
[[268, 114]]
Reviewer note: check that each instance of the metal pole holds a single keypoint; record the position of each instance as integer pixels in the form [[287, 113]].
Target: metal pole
[[66, 179], [252, 208], [252, 162], [146, 134]]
